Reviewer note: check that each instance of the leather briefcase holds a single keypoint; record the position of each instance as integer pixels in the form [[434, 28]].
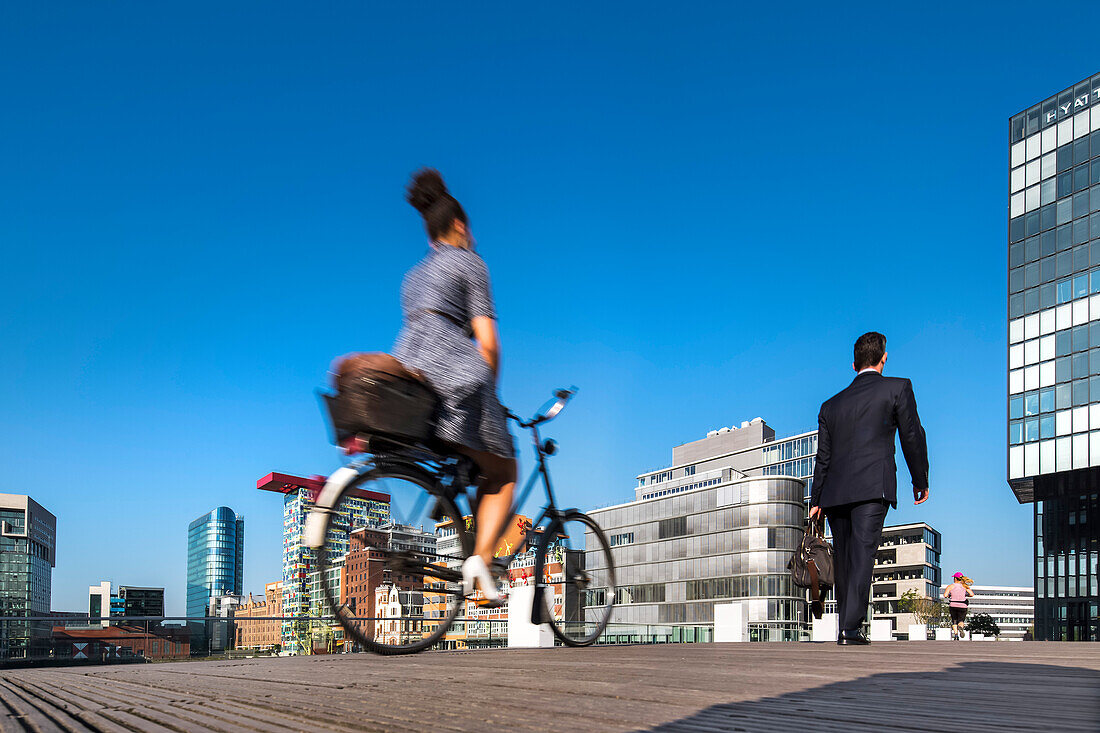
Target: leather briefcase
[[811, 566]]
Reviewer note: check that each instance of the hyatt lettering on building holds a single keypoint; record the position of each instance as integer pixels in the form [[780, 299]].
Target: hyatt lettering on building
[[1054, 350]]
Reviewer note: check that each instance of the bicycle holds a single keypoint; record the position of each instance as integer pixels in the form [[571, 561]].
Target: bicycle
[[422, 596]]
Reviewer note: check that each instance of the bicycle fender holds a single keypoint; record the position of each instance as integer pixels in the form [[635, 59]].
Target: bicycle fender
[[314, 530]]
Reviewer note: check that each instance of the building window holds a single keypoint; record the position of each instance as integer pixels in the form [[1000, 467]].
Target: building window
[[625, 538], [648, 593], [675, 527]]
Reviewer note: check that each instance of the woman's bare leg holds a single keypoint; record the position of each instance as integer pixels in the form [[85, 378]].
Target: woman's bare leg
[[493, 508], [494, 499]]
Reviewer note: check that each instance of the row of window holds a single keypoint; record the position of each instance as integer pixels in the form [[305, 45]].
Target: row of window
[[799, 468], [1044, 427], [790, 449], [624, 538], [932, 574], [1049, 320], [1068, 376], [1051, 295], [1045, 193], [1057, 233], [646, 593], [1022, 225], [1054, 160], [1081, 450], [739, 587], [681, 489], [1059, 111], [1079, 343], [1059, 210], [1061, 292], [674, 527], [1033, 404], [656, 478]]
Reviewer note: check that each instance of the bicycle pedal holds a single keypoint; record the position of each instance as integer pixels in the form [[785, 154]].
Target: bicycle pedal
[[487, 604]]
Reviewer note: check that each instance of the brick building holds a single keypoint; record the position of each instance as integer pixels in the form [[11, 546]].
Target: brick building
[[363, 572], [262, 633], [124, 641]]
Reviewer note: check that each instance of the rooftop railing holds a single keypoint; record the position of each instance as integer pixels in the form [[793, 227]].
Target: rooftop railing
[[58, 640]]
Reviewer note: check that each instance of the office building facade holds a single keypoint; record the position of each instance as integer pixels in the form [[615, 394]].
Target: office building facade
[[141, 601], [1012, 607], [215, 565], [1054, 350], [28, 541], [718, 526], [748, 450]]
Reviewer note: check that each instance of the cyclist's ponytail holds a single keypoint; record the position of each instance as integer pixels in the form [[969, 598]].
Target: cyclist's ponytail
[[429, 195]]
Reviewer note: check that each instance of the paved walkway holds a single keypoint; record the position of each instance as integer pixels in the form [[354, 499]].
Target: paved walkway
[[691, 687]]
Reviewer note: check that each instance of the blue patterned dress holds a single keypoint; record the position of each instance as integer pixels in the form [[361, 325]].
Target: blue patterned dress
[[453, 281]]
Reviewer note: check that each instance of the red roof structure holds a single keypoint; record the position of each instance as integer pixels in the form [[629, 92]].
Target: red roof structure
[[284, 483]]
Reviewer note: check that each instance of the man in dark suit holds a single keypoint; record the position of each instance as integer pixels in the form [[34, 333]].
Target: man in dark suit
[[855, 479]]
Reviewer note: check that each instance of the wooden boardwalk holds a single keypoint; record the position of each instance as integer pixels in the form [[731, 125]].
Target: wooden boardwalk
[[690, 687]]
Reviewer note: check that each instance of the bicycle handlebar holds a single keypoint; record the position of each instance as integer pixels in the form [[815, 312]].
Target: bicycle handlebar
[[547, 412]]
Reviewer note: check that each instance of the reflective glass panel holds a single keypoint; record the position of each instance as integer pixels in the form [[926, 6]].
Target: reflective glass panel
[[1046, 400], [1031, 429]]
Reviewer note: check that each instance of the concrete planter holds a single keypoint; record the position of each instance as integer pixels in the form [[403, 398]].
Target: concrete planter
[[825, 628], [918, 632], [731, 622], [881, 630], [943, 634]]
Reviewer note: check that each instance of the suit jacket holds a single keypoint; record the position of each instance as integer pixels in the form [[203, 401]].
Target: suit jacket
[[855, 442]]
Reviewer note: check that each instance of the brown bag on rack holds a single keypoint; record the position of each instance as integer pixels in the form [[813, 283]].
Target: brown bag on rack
[[377, 395], [811, 566]]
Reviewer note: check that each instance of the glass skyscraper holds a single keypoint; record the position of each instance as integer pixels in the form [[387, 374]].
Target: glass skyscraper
[[27, 558], [215, 558], [1054, 350]]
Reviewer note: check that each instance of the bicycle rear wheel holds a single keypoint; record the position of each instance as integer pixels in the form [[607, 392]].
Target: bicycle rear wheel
[[577, 573], [390, 602]]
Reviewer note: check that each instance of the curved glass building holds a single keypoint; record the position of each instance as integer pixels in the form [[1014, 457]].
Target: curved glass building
[[706, 532], [215, 558]]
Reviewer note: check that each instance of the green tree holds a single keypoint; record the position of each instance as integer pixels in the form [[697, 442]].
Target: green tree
[[930, 611], [983, 623]]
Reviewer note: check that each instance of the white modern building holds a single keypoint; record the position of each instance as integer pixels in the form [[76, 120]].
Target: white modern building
[[99, 603], [908, 559], [718, 526], [1012, 607]]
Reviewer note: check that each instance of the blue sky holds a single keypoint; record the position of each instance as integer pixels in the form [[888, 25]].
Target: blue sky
[[690, 212]]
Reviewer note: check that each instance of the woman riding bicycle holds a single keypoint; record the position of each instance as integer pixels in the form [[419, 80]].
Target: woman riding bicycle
[[450, 336]]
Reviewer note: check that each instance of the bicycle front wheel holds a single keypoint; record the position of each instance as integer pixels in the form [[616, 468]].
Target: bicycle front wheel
[[577, 574], [389, 538]]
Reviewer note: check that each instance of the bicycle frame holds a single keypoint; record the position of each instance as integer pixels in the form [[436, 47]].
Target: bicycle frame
[[446, 474]]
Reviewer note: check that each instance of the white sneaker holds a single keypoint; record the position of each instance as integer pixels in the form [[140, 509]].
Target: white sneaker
[[476, 572]]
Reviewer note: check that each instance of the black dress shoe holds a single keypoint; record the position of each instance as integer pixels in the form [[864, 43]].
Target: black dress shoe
[[851, 638]]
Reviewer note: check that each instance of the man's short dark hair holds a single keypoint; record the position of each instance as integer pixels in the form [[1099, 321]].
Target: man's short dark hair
[[869, 350]]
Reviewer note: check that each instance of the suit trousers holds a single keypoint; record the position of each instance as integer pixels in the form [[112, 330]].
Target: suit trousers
[[857, 529]]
